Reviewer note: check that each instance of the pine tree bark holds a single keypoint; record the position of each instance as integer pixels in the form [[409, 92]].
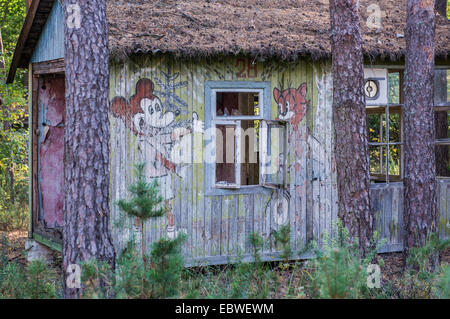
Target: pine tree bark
[[86, 232], [349, 116], [420, 215]]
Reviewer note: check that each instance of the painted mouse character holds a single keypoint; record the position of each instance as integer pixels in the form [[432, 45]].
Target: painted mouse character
[[158, 134]]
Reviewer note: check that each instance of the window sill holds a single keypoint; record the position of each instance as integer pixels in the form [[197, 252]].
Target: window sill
[[214, 191]]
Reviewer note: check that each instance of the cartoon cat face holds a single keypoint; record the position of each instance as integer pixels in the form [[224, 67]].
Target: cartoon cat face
[[292, 104]]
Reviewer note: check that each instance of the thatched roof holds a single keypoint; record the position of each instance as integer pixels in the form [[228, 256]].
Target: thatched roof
[[284, 29], [264, 28]]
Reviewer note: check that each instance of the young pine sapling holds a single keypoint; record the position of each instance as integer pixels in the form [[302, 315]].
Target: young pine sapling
[[145, 202]]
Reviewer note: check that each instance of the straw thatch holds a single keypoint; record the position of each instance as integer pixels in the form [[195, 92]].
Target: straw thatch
[[284, 29]]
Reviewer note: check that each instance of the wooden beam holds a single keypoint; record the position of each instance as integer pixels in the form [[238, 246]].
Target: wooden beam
[[49, 67]]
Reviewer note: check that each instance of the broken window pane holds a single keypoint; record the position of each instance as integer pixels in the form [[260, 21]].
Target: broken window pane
[[237, 104], [250, 152], [225, 154], [394, 87], [394, 160], [377, 155], [275, 153], [442, 87], [394, 127], [375, 129], [443, 160]]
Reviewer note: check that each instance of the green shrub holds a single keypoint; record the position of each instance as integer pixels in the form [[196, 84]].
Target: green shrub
[[282, 237], [339, 270], [131, 280], [421, 258], [167, 264], [98, 280], [442, 285], [35, 281], [40, 281]]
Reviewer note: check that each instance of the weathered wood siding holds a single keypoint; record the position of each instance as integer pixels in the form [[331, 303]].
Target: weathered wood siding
[[444, 208], [387, 202], [218, 226], [51, 42]]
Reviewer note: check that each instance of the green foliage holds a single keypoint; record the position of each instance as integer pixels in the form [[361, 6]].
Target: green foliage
[[236, 279], [145, 199], [97, 279], [339, 268], [13, 138], [146, 202], [421, 257], [40, 281], [13, 193], [256, 242], [442, 285], [130, 274], [34, 281], [167, 266], [421, 280], [283, 237], [131, 280]]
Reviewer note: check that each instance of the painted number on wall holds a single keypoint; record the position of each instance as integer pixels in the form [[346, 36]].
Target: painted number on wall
[[246, 68]]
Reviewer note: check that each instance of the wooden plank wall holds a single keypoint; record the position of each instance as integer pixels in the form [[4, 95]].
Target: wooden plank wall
[[444, 207], [218, 226], [51, 42], [387, 202]]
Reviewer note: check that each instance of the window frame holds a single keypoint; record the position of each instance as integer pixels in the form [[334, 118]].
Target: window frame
[[442, 107], [212, 119], [381, 108]]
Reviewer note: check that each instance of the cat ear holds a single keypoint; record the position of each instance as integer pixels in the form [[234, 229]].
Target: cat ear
[[276, 94], [302, 89]]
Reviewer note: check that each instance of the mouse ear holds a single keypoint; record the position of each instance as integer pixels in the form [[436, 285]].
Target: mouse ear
[[119, 107], [144, 88]]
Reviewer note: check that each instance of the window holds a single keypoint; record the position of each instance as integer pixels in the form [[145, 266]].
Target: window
[[384, 104], [247, 150], [442, 121], [384, 120]]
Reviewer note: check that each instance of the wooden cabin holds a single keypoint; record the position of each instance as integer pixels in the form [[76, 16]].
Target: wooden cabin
[[229, 103]]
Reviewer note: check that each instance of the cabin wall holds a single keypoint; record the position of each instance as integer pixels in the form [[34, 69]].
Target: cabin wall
[[218, 226]]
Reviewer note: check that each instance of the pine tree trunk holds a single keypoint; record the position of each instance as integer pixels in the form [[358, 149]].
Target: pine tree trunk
[[420, 214], [86, 153], [349, 116]]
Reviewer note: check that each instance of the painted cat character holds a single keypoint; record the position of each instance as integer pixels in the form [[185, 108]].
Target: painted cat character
[[292, 104]]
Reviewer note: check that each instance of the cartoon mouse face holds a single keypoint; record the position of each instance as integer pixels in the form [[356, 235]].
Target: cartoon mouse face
[[154, 115]]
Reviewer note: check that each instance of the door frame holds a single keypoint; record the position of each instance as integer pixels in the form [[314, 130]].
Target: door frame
[[52, 238]]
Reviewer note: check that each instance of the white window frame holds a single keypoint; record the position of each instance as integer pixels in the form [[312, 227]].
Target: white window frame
[[263, 89]]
